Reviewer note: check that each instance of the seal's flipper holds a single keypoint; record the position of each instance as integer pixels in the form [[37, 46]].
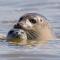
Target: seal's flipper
[[2, 37]]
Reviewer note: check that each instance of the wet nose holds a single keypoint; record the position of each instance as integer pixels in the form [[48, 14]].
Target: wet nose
[[18, 26]]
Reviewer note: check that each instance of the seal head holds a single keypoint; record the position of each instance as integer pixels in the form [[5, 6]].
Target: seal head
[[17, 36]]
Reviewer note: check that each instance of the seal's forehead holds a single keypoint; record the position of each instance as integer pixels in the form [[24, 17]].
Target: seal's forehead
[[35, 16], [31, 15]]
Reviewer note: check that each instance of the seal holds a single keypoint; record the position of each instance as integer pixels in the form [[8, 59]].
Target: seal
[[17, 36], [36, 27]]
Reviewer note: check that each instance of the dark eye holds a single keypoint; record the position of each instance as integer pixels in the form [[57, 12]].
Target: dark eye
[[20, 19], [33, 21], [10, 32]]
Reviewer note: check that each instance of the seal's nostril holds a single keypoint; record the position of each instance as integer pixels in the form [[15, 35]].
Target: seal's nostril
[[18, 26]]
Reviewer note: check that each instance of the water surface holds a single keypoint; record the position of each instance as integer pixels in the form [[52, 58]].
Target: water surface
[[10, 12]]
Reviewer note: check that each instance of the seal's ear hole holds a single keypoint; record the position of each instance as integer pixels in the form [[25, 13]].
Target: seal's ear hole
[[32, 21], [41, 20]]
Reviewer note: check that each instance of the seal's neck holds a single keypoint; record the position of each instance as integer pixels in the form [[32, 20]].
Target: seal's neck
[[46, 34]]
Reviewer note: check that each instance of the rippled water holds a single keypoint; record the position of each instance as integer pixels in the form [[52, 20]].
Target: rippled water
[[10, 12]]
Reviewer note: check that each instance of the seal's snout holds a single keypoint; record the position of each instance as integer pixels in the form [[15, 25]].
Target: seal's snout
[[17, 26]]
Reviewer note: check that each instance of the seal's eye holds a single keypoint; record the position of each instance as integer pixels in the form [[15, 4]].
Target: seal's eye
[[33, 21], [20, 19], [11, 31]]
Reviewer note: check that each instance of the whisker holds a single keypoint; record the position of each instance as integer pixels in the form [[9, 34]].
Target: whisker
[[31, 35], [34, 34]]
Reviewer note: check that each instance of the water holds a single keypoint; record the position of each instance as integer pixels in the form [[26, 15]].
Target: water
[[10, 12]]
